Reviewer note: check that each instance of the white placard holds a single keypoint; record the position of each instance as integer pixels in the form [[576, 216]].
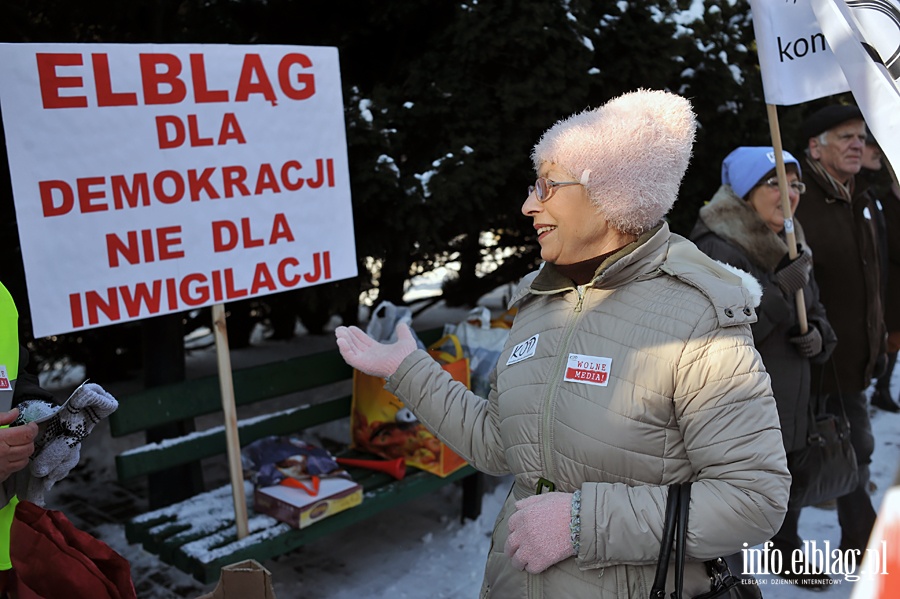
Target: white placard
[[151, 179], [796, 62]]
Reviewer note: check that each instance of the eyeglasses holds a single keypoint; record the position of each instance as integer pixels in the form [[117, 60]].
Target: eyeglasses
[[798, 186], [543, 188]]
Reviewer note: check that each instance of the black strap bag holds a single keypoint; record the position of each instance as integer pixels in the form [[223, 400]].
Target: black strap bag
[[723, 584], [826, 467]]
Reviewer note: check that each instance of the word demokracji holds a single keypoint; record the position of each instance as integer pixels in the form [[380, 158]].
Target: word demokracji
[[118, 192], [192, 290]]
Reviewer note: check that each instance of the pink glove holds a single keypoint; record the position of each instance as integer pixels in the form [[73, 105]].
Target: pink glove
[[539, 532], [378, 359]]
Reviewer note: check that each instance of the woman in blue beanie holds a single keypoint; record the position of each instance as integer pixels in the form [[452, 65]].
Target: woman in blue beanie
[[744, 225]]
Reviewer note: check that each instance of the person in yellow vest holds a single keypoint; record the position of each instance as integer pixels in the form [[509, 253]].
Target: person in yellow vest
[[31, 462], [57, 447], [16, 443]]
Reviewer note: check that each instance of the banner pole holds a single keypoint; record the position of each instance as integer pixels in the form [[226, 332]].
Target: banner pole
[[790, 235], [232, 439]]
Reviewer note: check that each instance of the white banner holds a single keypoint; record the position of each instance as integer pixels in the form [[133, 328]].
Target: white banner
[[795, 61], [865, 38], [152, 179]]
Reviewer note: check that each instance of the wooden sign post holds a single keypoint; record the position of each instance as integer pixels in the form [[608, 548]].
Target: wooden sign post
[[232, 437], [790, 235]]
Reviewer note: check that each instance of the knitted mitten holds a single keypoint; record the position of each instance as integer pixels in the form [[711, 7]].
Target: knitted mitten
[[791, 275], [539, 533], [59, 447], [809, 345]]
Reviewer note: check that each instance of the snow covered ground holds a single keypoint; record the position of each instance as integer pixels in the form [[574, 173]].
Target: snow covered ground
[[418, 550]]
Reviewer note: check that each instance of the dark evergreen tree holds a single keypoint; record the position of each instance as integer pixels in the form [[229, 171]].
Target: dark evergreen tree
[[722, 80], [443, 103]]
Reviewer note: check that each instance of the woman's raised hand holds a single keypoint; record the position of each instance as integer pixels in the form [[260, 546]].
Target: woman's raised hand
[[367, 355]]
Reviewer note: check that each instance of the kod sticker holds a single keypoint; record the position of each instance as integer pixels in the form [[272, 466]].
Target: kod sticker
[[590, 370], [523, 350], [4, 379]]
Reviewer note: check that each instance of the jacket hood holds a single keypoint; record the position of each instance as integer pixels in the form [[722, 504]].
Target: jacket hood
[[734, 293]]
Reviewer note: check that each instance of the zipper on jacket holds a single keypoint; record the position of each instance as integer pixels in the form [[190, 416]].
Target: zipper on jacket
[[556, 378], [534, 586], [580, 289]]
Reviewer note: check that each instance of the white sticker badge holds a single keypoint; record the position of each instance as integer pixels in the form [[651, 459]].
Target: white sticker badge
[[523, 350], [4, 379], [590, 370]]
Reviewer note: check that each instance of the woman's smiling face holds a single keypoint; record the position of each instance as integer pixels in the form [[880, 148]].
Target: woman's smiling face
[[570, 228], [766, 200]]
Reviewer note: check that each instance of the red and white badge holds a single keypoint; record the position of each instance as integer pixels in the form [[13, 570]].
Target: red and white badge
[[4, 378], [590, 370]]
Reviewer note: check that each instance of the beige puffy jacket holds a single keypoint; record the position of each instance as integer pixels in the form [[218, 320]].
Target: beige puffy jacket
[[684, 396]]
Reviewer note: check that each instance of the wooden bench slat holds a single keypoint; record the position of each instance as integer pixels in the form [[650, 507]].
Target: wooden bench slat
[[156, 406], [157, 457], [198, 535], [204, 552]]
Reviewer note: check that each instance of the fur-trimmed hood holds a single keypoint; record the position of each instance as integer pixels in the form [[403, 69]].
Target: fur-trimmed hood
[[735, 220], [733, 292]]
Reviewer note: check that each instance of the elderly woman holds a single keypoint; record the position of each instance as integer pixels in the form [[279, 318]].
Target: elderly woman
[[743, 225], [630, 365]]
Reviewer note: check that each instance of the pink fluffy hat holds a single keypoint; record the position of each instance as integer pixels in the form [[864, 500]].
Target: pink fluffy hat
[[630, 154]]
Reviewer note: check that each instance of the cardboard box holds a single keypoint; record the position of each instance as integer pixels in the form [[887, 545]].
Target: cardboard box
[[244, 580], [299, 509]]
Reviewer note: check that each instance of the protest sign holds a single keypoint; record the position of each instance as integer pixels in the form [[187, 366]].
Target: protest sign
[[809, 49], [795, 61], [153, 179]]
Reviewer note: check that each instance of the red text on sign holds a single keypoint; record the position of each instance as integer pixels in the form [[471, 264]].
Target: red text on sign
[[172, 132], [165, 80], [147, 245], [120, 192], [93, 307], [227, 235]]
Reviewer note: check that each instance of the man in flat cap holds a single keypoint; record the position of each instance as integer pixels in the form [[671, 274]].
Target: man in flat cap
[[837, 217]]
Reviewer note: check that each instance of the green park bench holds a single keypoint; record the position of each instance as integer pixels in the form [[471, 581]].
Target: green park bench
[[198, 535]]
